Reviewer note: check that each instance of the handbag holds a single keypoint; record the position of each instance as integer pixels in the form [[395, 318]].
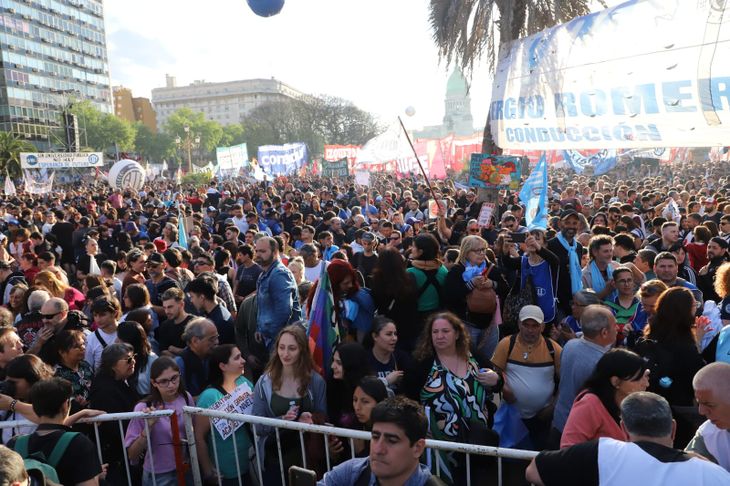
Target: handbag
[[516, 301], [482, 301]]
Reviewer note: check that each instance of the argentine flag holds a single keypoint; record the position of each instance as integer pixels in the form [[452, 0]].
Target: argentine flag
[[534, 196]]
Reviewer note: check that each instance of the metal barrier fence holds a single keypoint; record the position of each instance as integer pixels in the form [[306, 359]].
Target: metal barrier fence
[[326, 431], [109, 417], [277, 424]]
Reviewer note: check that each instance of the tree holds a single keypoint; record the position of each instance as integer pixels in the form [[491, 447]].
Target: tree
[[154, 147], [314, 120], [10, 148], [233, 135], [103, 130], [210, 132], [465, 31]]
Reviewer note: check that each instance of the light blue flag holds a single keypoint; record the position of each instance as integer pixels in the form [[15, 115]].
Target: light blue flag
[[534, 196], [182, 236]]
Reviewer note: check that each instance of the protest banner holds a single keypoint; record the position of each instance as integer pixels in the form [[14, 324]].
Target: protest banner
[[239, 400], [667, 87], [284, 159], [337, 168], [488, 171], [61, 160]]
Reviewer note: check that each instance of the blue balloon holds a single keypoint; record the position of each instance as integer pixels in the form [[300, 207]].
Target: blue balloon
[[266, 8]]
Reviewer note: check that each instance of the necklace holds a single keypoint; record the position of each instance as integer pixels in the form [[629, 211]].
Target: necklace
[[526, 354]]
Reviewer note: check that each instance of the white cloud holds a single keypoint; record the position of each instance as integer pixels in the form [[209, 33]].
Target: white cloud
[[377, 53]]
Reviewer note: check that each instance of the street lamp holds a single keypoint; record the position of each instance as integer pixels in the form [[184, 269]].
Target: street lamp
[[189, 143]]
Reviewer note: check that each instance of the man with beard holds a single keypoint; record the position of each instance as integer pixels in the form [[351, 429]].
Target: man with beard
[[717, 255], [569, 252], [276, 293]]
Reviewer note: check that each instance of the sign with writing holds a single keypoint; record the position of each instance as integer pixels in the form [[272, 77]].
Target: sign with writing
[[485, 214], [494, 171], [284, 159], [362, 177], [436, 209], [61, 160], [667, 87], [234, 157], [240, 401], [338, 168]]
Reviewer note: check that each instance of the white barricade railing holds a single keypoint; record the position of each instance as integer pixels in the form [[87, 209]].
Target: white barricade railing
[[326, 431], [109, 417]]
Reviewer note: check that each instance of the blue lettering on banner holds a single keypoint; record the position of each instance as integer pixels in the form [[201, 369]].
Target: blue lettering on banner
[[649, 99], [623, 132]]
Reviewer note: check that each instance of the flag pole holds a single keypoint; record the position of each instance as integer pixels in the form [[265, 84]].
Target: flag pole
[[428, 181]]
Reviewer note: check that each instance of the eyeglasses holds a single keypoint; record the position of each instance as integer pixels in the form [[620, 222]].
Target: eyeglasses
[[473, 230], [479, 250], [129, 359], [48, 317], [173, 380]]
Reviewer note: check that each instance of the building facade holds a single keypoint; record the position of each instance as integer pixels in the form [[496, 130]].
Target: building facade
[[53, 52], [134, 109], [226, 103], [457, 111]]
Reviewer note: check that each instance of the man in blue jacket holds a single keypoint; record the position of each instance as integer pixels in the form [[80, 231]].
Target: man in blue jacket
[[276, 293]]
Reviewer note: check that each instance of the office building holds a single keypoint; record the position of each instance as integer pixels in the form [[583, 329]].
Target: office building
[[134, 109], [53, 52], [226, 103]]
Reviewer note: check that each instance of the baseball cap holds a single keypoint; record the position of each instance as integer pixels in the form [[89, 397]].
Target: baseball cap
[[568, 213], [532, 312], [368, 236], [710, 200], [156, 258], [211, 209]]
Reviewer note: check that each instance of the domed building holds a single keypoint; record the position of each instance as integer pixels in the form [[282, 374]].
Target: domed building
[[457, 110]]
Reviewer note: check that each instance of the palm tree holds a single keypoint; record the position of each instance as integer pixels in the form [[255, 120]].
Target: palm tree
[[10, 148], [465, 31]]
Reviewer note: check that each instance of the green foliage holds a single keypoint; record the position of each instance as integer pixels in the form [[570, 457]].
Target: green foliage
[[314, 121], [198, 178], [210, 132], [102, 130], [10, 148], [153, 147]]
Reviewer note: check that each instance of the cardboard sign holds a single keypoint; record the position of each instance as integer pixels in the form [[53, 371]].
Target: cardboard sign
[[495, 171], [435, 210], [240, 401], [485, 214]]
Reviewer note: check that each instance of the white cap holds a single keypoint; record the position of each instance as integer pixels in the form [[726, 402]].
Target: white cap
[[532, 312]]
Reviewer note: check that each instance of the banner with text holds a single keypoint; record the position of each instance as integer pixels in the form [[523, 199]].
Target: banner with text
[[334, 153], [234, 157], [664, 81], [61, 160], [337, 168], [284, 159]]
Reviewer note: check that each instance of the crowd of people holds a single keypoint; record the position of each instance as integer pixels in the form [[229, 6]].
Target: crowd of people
[[602, 337]]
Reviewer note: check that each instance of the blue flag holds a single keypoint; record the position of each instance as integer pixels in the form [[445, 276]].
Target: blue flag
[[534, 196], [182, 236]]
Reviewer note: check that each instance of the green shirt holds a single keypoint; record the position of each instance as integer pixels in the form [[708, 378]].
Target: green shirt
[[430, 299], [226, 463]]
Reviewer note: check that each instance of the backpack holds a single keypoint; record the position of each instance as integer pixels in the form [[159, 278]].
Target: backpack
[[482, 301], [38, 461], [431, 280]]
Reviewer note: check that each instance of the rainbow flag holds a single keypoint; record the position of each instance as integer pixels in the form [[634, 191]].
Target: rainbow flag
[[323, 331]]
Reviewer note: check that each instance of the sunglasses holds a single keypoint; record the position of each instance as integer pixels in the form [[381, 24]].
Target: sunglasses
[[473, 230], [50, 316], [129, 359]]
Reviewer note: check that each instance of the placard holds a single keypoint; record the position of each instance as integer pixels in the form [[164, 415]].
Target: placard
[[338, 168], [495, 171], [240, 401], [485, 214], [436, 210], [362, 177]]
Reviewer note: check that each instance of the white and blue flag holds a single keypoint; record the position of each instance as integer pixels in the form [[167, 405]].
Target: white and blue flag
[[534, 196]]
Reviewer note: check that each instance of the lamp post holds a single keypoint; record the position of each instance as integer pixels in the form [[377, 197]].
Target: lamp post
[[189, 143]]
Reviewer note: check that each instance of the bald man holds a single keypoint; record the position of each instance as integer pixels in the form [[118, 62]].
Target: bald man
[[712, 391]]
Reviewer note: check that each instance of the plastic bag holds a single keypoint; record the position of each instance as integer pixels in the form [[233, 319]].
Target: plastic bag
[[508, 424]]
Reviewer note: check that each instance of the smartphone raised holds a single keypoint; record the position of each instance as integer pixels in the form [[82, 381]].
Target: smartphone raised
[[518, 237], [298, 476]]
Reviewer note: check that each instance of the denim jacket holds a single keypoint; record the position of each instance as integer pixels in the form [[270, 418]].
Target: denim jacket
[[277, 299]]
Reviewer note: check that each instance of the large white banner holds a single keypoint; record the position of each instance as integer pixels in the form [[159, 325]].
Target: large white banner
[[646, 73], [234, 157], [390, 145], [61, 160]]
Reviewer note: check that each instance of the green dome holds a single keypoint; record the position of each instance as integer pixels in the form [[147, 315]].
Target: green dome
[[456, 84]]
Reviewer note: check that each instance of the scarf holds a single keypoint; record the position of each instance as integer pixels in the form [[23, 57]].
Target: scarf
[[576, 284], [471, 271], [597, 277]]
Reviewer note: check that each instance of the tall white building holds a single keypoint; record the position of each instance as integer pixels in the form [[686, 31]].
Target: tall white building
[[225, 103]]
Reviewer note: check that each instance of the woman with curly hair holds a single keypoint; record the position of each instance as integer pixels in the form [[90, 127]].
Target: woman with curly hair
[[454, 389]]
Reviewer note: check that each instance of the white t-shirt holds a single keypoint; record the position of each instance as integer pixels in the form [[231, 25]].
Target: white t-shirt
[[312, 274], [94, 347]]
